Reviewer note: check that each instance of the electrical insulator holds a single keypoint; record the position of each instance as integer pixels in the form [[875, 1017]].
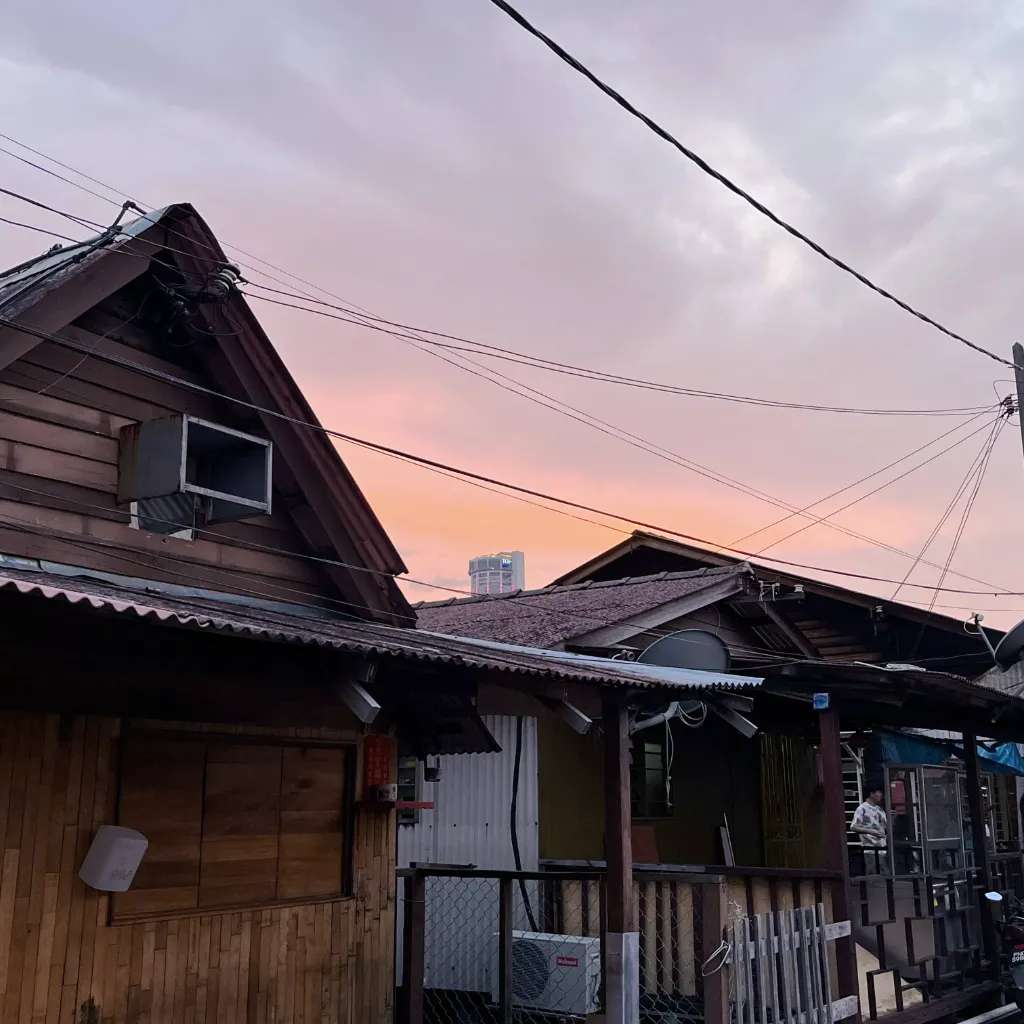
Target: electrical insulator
[[222, 282]]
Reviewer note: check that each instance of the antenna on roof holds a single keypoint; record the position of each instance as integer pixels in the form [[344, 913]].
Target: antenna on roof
[[702, 650]]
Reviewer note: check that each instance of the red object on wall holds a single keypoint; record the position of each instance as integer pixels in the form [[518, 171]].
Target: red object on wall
[[379, 763]]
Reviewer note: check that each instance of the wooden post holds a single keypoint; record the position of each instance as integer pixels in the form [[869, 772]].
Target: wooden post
[[622, 943], [414, 947], [714, 906], [836, 854], [505, 895], [980, 842]]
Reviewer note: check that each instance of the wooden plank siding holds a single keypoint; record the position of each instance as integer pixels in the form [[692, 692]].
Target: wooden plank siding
[[62, 961], [58, 480]]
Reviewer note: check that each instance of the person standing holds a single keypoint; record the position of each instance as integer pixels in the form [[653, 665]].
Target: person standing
[[871, 824]]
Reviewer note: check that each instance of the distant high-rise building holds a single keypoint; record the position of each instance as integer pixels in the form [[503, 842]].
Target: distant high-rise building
[[497, 574]]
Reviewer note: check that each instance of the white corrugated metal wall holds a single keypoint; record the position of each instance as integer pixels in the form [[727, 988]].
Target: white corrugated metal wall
[[470, 825]]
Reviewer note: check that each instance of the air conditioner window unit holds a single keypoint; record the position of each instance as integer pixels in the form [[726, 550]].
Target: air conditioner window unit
[[558, 974], [226, 471]]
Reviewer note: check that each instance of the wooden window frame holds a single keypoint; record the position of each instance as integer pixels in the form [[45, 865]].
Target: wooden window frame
[[350, 750], [640, 810]]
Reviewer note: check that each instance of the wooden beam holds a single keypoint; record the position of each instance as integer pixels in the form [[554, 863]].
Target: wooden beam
[[622, 960], [505, 896], [414, 947], [608, 636], [792, 634], [979, 841], [49, 307], [836, 856], [714, 897]]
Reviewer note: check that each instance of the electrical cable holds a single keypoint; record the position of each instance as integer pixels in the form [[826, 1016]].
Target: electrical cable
[[27, 285], [881, 487], [458, 471], [72, 370], [652, 448], [204, 533], [574, 370], [80, 221], [969, 507], [721, 178], [145, 214], [42, 231], [638, 441], [946, 513], [643, 443], [492, 349], [855, 483], [513, 824]]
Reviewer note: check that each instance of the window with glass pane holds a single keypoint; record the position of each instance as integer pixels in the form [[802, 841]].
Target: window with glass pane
[[649, 775]]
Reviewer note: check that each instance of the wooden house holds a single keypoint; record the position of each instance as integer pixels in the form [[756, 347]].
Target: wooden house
[[893, 683], [205, 644]]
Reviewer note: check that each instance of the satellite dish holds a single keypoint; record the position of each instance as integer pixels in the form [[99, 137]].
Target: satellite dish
[[1009, 650], [688, 648]]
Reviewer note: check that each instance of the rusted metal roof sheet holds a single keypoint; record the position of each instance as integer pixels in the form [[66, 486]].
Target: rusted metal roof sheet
[[208, 615]]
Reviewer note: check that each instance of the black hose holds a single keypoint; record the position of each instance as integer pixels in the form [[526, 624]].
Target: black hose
[[512, 822]]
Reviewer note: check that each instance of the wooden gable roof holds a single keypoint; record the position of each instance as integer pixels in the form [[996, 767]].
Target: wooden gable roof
[[44, 298], [829, 621]]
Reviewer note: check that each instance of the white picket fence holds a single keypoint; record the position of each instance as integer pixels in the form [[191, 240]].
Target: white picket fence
[[781, 968]]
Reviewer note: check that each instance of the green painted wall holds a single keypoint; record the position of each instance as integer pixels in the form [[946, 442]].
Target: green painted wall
[[715, 770]]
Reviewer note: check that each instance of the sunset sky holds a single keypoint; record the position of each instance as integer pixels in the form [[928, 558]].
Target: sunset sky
[[432, 163]]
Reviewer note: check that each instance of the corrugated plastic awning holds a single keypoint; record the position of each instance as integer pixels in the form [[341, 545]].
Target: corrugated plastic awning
[[208, 614]]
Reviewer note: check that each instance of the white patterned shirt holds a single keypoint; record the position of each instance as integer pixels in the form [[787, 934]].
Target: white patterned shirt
[[871, 816]]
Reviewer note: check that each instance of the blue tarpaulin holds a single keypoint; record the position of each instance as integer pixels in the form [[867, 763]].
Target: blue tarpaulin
[[908, 748]]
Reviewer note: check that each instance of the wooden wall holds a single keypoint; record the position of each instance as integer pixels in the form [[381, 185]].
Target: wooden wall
[[61, 961], [58, 472]]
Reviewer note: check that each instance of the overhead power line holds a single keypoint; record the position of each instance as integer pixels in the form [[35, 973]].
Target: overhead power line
[[876, 490], [629, 438], [114, 550], [41, 231], [722, 179], [958, 493], [480, 348], [459, 471], [533, 395], [358, 317], [603, 426]]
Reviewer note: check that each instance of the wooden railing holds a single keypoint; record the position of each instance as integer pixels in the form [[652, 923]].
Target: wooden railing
[[683, 915]]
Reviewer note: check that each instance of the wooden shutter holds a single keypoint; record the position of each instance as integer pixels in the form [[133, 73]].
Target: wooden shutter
[[312, 819], [240, 827], [162, 797]]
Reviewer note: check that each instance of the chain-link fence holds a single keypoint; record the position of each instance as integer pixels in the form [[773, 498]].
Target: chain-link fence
[[495, 947], [503, 946], [670, 922]]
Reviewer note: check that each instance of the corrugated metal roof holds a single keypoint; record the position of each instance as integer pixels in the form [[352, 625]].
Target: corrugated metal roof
[[54, 263], [208, 615]]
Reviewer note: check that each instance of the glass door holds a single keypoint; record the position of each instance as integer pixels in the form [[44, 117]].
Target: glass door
[[903, 797], [944, 820]]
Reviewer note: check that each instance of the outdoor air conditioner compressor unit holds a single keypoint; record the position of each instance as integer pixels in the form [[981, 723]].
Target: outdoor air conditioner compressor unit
[[558, 974]]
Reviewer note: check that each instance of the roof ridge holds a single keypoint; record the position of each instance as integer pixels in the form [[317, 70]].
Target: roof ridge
[[664, 576]]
